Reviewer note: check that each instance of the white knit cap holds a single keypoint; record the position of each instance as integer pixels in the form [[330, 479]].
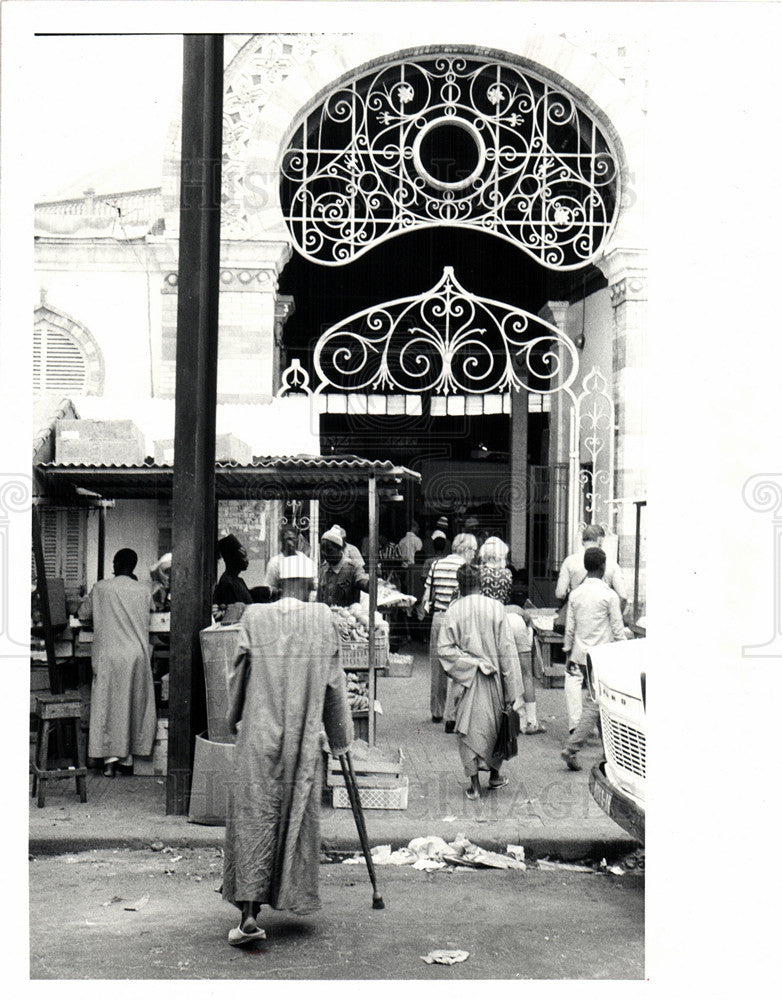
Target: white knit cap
[[298, 567], [333, 535]]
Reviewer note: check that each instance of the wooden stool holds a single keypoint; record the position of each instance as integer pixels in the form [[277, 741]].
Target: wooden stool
[[52, 708]]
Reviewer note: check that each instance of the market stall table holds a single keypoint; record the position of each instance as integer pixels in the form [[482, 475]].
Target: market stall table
[[546, 644]]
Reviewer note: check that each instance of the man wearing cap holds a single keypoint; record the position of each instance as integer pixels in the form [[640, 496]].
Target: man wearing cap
[[340, 581], [352, 553], [285, 686], [441, 527], [231, 588]]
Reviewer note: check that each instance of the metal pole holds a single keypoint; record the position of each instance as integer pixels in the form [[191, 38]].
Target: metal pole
[[193, 512], [372, 502], [101, 541], [637, 575]]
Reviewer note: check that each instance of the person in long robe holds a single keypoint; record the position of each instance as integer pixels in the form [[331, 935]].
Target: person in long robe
[[285, 685], [478, 652], [122, 704]]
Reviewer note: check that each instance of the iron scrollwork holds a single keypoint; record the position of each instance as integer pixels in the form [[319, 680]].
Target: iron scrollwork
[[445, 341], [446, 141]]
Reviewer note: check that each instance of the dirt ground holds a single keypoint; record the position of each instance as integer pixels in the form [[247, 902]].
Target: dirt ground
[[515, 925]]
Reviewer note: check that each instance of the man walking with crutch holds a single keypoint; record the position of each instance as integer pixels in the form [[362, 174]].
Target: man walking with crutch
[[285, 685]]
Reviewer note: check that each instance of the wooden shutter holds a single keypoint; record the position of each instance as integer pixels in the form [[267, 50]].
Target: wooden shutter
[[64, 535], [72, 548], [58, 362]]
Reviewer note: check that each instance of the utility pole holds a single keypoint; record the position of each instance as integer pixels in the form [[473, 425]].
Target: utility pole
[[196, 398]]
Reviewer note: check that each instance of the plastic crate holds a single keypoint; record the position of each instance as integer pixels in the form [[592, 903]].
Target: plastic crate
[[380, 765], [373, 798], [354, 655], [400, 665]]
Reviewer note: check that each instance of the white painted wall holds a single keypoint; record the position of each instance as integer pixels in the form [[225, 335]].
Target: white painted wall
[[130, 524], [112, 304]]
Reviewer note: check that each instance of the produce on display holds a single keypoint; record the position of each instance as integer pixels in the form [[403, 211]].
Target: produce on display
[[352, 624]]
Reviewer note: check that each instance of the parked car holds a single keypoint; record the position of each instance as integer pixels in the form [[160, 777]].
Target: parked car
[[618, 784]]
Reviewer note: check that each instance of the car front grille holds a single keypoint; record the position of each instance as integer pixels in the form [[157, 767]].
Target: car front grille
[[625, 746]]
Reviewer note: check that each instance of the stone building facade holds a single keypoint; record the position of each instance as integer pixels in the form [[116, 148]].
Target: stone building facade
[[107, 269]]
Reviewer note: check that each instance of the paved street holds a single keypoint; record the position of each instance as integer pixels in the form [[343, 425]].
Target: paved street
[[515, 925]]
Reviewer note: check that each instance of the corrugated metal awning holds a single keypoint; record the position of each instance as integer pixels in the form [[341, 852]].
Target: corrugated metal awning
[[281, 477]]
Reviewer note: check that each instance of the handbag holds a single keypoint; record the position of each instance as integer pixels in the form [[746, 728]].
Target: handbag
[[560, 621], [507, 744]]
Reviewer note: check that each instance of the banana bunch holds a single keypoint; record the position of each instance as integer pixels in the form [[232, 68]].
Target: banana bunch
[[358, 698], [352, 624]]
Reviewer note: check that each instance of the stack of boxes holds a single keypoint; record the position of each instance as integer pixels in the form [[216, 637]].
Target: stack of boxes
[[381, 784]]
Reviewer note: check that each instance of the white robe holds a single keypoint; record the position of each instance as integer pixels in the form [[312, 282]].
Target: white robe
[[122, 705]]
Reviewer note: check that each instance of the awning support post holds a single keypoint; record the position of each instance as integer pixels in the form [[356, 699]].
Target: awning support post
[[372, 503], [101, 541]]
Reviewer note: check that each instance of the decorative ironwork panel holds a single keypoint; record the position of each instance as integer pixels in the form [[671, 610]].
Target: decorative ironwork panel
[[595, 426], [452, 140], [445, 341]]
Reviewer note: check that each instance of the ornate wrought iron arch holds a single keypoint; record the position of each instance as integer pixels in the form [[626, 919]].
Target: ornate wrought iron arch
[[450, 140], [444, 341]]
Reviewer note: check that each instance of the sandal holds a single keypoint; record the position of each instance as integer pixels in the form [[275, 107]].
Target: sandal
[[498, 784], [246, 933], [472, 794], [532, 728]]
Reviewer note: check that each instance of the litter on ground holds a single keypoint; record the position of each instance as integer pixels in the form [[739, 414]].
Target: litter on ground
[[139, 903], [434, 854], [445, 957], [563, 866]]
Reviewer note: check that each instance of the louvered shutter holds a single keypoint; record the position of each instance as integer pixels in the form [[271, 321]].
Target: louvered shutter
[[49, 538], [72, 561], [58, 362], [64, 546]]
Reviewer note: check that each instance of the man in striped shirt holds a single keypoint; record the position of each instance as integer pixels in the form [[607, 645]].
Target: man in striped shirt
[[441, 589]]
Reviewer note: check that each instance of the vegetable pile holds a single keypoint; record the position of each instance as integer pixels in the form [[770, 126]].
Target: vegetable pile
[[352, 624]]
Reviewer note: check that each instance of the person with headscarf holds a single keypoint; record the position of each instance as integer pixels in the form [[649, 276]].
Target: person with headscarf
[[122, 704], [231, 588], [340, 581], [496, 578], [477, 651], [285, 686]]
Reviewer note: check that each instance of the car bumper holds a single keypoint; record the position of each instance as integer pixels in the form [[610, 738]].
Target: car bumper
[[617, 804]]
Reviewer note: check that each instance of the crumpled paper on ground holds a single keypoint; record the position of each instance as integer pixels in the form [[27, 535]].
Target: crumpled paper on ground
[[433, 854], [445, 957]]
